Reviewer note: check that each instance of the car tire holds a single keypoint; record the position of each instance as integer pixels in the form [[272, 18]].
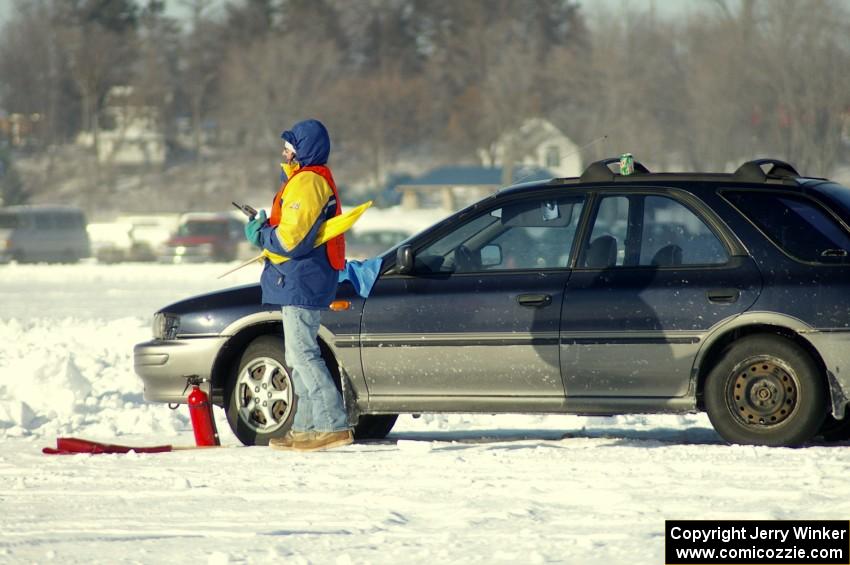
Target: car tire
[[375, 426], [260, 398], [766, 390]]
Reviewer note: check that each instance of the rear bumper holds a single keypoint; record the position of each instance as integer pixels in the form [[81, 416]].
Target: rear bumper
[[164, 365], [833, 347]]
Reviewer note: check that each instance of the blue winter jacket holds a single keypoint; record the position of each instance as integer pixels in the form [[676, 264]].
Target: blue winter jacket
[[307, 279]]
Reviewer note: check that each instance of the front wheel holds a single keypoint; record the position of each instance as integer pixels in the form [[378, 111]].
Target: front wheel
[[766, 390], [260, 397]]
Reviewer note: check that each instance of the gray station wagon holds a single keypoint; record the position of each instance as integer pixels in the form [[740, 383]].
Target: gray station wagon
[[603, 294]]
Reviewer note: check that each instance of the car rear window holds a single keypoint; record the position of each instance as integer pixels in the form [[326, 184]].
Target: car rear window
[[840, 193], [799, 225]]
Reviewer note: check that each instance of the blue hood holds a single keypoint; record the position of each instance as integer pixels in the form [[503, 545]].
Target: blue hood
[[311, 141]]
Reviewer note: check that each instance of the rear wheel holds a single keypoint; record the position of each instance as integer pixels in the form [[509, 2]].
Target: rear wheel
[[766, 390], [260, 397]]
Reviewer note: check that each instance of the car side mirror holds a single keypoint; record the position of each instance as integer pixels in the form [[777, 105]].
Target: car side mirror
[[491, 255], [404, 260]]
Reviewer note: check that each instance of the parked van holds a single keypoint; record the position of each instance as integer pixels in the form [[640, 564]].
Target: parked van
[[29, 234]]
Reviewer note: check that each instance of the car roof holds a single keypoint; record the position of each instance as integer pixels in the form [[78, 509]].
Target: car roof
[[42, 209], [206, 217]]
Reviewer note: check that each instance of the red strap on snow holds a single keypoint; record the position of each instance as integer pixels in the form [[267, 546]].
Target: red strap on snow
[[70, 446]]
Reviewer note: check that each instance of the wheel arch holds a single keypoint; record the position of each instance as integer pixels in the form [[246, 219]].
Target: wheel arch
[[227, 360], [712, 351]]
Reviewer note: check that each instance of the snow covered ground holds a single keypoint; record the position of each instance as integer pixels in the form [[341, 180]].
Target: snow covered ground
[[442, 489]]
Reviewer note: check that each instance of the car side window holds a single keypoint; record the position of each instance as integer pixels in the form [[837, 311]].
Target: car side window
[[650, 230], [527, 235], [673, 235], [606, 247], [798, 225], [9, 220], [68, 221], [46, 221]]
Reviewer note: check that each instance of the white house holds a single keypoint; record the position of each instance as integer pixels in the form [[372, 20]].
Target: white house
[[536, 143], [129, 135]]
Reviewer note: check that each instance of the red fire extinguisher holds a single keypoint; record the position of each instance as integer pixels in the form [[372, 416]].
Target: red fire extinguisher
[[201, 413]]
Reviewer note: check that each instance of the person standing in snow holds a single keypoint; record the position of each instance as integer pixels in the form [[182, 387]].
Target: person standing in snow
[[306, 283]]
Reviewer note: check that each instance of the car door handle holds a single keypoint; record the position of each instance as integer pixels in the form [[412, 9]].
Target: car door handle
[[534, 300], [723, 295]]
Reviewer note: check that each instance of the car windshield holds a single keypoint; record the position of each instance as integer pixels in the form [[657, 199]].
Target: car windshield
[[196, 228], [384, 238]]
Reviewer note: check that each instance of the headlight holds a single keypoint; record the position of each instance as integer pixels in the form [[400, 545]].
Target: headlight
[[165, 326]]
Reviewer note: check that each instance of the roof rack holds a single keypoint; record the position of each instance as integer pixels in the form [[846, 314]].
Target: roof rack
[[752, 171], [599, 171]]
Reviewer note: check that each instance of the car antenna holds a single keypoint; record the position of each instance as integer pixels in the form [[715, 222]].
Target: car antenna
[[570, 154], [245, 264]]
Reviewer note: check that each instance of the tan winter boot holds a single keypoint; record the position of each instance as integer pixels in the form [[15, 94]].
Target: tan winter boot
[[287, 440], [323, 440]]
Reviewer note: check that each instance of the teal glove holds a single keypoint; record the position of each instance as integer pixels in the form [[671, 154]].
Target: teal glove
[[252, 228]]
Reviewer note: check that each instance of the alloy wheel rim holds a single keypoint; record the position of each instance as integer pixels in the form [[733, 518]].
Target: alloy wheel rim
[[763, 392], [264, 395]]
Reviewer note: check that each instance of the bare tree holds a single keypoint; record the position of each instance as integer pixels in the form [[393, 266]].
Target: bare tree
[[382, 117], [767, 78], [202, 54], [804, 55], [156, 77], [270, 83], [33, 71], [99, 41]]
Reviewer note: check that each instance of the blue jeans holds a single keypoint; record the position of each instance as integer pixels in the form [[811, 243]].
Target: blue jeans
[[319, 407]]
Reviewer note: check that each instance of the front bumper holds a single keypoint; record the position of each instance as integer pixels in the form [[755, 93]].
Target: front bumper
[[164, 365], [187, 254]]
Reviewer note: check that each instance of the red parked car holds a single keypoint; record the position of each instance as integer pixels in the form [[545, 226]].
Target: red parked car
[[203, 237]]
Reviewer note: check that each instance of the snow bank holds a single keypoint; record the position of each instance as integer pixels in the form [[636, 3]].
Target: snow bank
[[68, 331], [72, 376]]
